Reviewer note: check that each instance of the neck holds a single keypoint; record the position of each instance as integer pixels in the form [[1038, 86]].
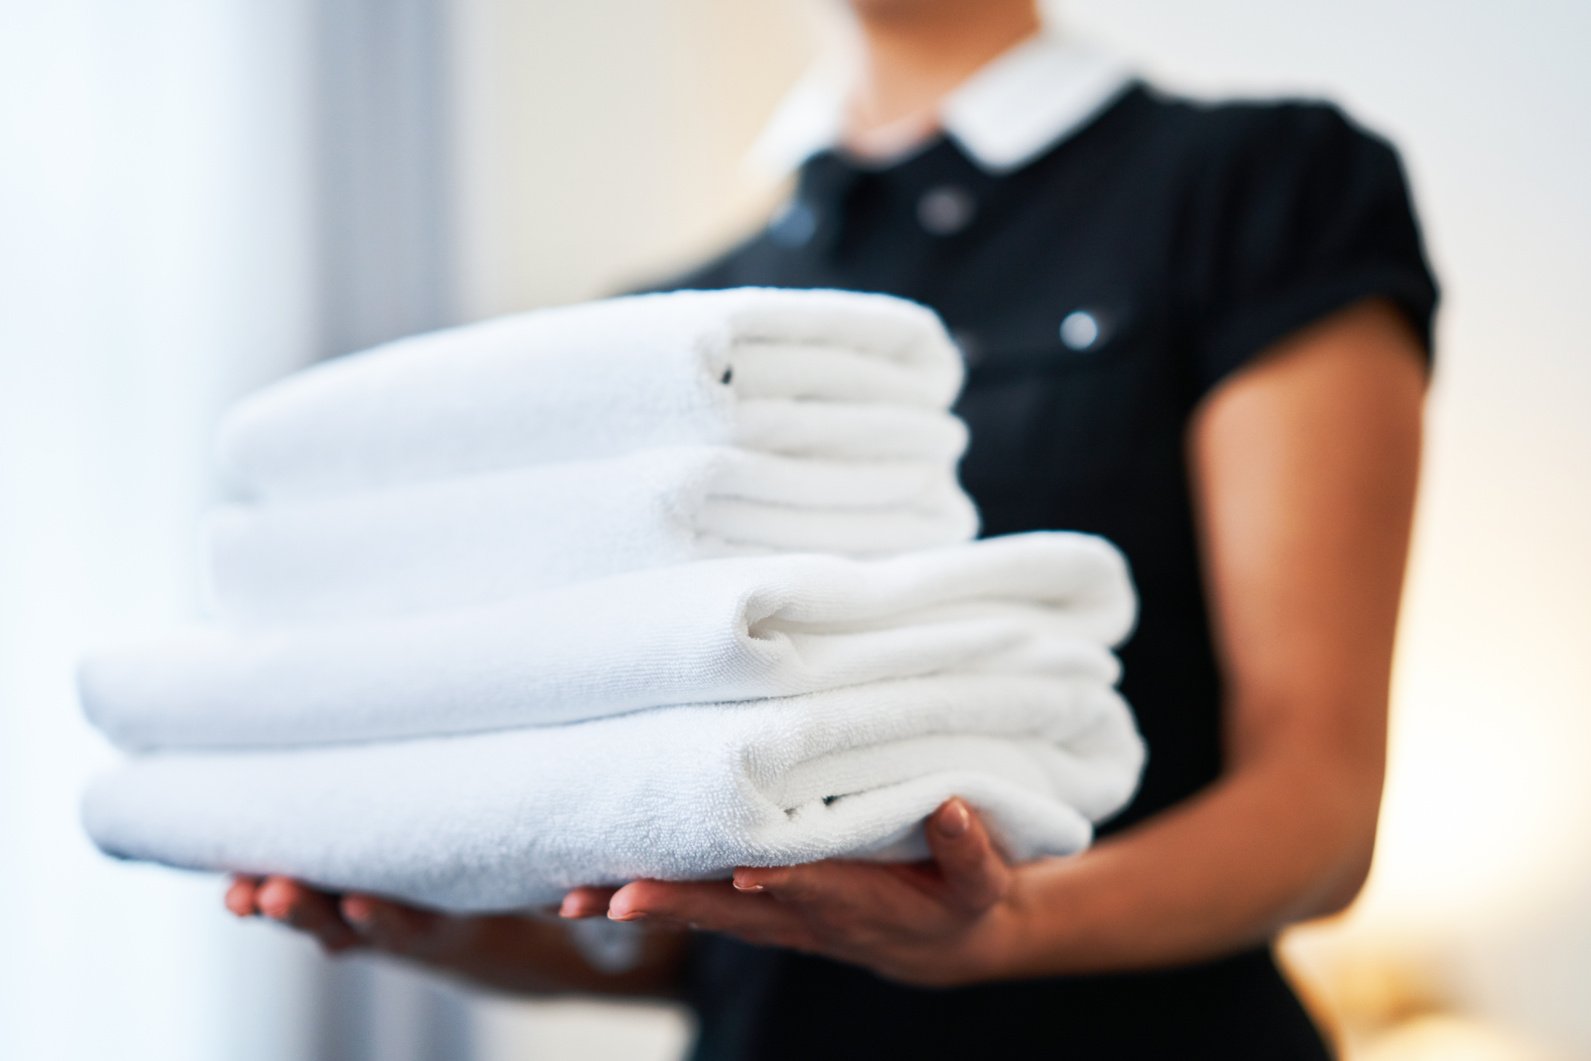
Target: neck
[[911, 55]]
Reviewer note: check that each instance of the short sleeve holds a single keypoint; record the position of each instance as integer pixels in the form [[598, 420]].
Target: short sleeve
[[1299, 213]]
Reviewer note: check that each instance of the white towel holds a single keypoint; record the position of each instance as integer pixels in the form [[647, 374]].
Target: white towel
[[509, 820], [493, 536], [820, 373], [728, 629]]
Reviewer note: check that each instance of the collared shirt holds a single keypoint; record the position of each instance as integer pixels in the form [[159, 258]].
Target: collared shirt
[[1005, 115], [1105, 265]]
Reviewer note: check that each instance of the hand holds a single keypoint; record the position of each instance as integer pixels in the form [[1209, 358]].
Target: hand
[[519, 954], [350, 922], [941, 923]]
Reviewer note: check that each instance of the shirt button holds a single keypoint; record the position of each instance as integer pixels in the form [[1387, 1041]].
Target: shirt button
[[945, 210], [795, 225], [1081, 330]]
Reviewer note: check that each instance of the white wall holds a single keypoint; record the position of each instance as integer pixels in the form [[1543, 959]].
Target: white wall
[[603, 137], [153, 248], [601, 142]]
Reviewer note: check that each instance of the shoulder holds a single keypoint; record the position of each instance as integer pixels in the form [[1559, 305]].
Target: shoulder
[[1230, 140], [1288, 210], [1251, 123], [1260, 185]]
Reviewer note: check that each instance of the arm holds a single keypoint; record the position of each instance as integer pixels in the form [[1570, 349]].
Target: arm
[[1304, 471], [1304, 468]]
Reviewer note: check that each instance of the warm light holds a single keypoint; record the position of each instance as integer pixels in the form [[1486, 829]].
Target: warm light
[[1448, 1038]]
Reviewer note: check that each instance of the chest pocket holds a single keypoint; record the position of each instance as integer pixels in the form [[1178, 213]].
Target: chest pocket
[[1058, 403]]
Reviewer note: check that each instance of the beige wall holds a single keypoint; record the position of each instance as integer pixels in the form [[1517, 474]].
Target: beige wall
[[601, 141]]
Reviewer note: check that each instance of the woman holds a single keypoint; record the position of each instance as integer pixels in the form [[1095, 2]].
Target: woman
[[1201, 331]]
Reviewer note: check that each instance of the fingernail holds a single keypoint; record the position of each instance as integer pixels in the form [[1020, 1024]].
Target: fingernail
[[954, 820], [569, 907], [746, 884], [626, 915], [272, 904], [358, 916]]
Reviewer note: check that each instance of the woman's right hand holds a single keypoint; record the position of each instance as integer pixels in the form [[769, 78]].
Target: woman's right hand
[[347, 922], [506, 952]]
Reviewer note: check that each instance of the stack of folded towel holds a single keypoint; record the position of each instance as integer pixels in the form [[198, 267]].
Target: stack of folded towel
[[651, 587]]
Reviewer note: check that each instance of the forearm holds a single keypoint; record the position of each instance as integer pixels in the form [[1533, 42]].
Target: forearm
[[1278, 841], [534, 956]]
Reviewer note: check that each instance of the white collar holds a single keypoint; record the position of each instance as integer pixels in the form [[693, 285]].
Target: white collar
[[1005, 115]]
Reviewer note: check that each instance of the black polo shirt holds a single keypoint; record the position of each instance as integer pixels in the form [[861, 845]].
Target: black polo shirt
[[1099, 293]]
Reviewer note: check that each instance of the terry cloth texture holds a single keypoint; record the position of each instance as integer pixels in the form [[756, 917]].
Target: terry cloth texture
[[733, 629], [509, 820], [497, 535], [813, 373]]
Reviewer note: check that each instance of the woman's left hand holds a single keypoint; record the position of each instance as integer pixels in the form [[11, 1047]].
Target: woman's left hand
[[939, 923]]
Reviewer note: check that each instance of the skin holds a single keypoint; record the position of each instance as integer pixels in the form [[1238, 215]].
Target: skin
[[910, 54], [1303, 468]]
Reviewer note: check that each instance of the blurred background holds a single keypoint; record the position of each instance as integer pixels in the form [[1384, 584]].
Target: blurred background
[[196, 197]]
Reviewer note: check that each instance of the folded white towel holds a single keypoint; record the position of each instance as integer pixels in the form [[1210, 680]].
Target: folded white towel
[[508, 820], [820, 373], [728, 629], [494, 536]]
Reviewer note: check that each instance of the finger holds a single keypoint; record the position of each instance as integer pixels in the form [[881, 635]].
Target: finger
[[305, 909], [391, 926], [586, 902], [975, 875], [809, 884], [774, 880], [240, 896], [280, 898], [711, 906]]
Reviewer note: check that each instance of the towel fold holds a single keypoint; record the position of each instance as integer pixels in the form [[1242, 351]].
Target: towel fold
[[651, 587], [729, 629], [509, 820], [819, 373], [490, 537]]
